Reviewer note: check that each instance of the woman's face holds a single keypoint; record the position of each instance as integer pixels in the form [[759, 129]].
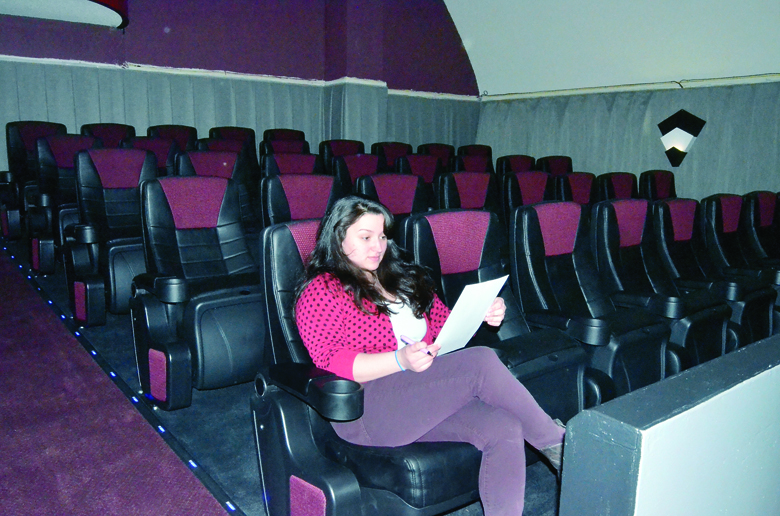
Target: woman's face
[[365, 242]]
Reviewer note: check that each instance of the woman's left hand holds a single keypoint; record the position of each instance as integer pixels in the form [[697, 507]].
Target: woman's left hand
[[496, 312]]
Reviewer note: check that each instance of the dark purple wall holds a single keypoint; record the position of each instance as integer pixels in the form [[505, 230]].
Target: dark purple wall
[[409, 44], [29, 37]]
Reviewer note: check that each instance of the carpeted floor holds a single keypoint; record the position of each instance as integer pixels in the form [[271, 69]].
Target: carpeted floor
[[73, 443], [215, 433]]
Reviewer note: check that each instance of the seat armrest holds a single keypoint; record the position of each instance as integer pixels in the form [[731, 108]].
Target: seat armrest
[[333, 397], [82, 233], [595, 332], [547, 320], [670, 307], [168, 289], [688, 284], [734, 272]]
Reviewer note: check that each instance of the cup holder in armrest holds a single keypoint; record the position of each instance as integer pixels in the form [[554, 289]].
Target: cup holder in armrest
[[334, 397], [595, 332], [170, 289], [85, 234], [671, 307]]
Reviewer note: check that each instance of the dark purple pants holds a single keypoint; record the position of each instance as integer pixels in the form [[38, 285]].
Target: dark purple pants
[[466, 396]]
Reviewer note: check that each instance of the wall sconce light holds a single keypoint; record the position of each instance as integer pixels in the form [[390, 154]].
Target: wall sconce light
[[678, 132]]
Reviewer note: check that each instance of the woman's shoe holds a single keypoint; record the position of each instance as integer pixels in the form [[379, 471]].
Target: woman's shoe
[[554, 453]]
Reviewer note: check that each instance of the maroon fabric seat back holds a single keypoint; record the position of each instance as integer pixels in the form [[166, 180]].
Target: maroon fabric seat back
[[283, 134], [164, 150], [307, 196], [524, 188], [655, 185], [356, 165], [388, 152], [476, 150], [57, 166], [289, 197], [443, 151], [555, 165], [329, 149], [759, 226], [218, 144], [616, 185], [459, 238], [110, 134], [472, 189], [474, 163], [720, 220], [242, 134], [402, 194], [21, 142], [290, 164], [578, 187], [468, 190], [619, 228], [677, 232], [458, 247], [514, 163], [425, 166], [185, 136], [118, 168], [286, 147], [533, 186], [210, 164]]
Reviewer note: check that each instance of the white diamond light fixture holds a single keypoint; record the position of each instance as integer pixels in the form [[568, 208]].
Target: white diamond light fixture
[[678, 133]]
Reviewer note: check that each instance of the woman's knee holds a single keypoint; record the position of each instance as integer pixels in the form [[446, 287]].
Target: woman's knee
[[482, 358]]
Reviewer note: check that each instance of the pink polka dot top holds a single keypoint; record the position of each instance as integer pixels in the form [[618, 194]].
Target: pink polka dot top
[[334, 331]]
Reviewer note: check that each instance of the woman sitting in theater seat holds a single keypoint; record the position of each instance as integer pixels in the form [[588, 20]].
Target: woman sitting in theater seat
[[365, 314]]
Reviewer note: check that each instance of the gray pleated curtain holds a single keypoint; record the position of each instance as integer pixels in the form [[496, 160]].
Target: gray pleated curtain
[[738, 150], [76, 93]]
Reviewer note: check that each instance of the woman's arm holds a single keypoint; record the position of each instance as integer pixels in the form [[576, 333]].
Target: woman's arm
[[370, 366]]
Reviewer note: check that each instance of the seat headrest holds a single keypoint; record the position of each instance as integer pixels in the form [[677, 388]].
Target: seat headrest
[[295, 164], [213, 163], [532, 186], [65, 146], [304, 234], [307, 195], [361, 165], [472, 188], [631, 215], [195, 202], [622, 185], [459, 237], [766, 208], [118, 168], [396, 191], [730, 206], [423, 166], [682, 212], [559, 222]]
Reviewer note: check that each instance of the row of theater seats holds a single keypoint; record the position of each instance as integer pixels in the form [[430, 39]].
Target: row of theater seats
[[590, 317], [576, 343], [517, 180]]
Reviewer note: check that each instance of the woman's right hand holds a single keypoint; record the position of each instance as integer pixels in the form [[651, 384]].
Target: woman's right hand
[[417, 356]]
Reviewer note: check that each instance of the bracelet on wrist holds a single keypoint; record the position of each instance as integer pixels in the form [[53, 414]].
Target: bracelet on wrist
[[395, 353]]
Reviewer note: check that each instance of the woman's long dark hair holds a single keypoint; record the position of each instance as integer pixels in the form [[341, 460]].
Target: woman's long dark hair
[[399, 278]]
